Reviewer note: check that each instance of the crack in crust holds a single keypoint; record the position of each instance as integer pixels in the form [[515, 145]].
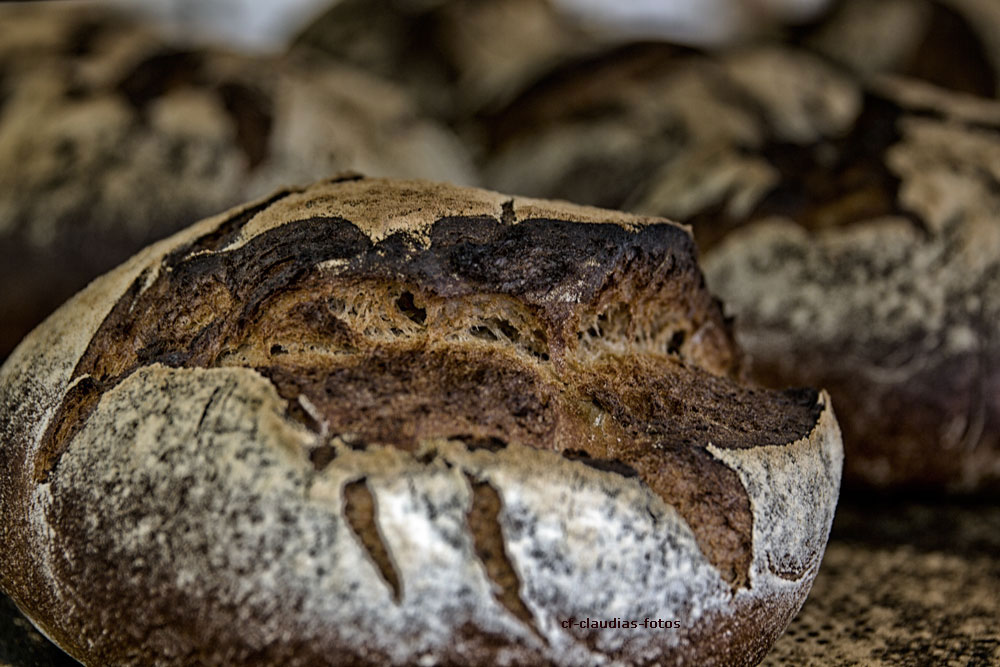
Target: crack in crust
[[360, 511], [484, 524], [555, 334]]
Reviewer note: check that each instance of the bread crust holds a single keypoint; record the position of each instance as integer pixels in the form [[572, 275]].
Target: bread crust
[[442, 470]]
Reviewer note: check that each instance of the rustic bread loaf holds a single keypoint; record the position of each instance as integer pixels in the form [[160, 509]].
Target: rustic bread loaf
[[891, 297], [395, 422], [111, 138]]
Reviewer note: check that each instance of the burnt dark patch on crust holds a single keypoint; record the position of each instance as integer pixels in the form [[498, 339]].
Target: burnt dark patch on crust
[[839, 181], [361, 513], [536, 257], [401, 397], [158, 74], [484, 524], [951, 55], [253, 115]]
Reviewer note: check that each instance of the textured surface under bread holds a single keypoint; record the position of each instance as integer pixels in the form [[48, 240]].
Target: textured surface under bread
[[223, 420], [111, 138], [903, 583]]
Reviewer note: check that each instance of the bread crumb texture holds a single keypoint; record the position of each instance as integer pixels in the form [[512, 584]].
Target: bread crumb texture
[[396, 422]]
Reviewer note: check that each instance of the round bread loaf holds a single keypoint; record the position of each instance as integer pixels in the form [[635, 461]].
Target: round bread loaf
[[887, 290], [111, 138], [396, 422]]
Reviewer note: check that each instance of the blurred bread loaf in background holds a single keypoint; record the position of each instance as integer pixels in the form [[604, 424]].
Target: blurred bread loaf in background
[[111, 137], [848, 220]]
